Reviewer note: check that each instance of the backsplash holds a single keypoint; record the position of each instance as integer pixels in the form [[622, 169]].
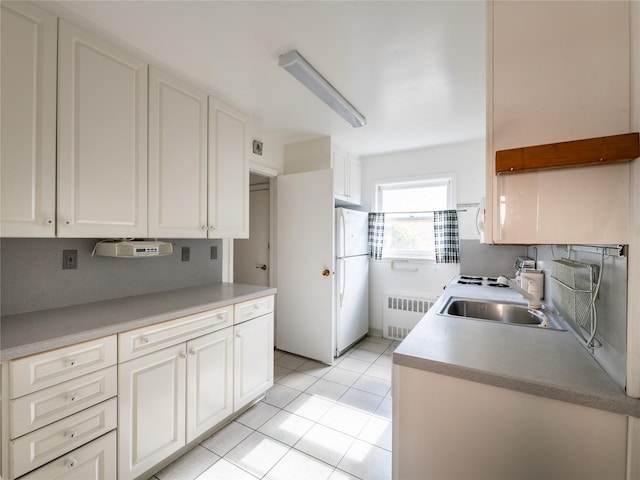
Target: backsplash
[[32, 278], [611, 303]]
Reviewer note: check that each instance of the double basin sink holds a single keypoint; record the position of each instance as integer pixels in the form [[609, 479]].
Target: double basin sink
[[502, 312]]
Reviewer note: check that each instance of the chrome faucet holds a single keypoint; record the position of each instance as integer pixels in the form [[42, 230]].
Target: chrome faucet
[[529, 284]]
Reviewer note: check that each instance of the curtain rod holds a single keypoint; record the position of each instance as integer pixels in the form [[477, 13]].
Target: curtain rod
[[425, 211]]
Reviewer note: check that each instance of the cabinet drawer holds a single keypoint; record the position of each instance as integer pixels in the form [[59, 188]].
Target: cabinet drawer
[[155, 337], [37, 448], [30, 374], [93, 461], [38, 409], [253, 308]]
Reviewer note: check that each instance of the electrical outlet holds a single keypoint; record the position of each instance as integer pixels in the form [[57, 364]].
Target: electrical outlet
[[186, 251], [214, 252], [69, 259]]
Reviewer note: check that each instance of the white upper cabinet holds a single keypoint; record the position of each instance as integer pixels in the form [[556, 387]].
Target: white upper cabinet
[[177, 158], [29, 44], [102, 138], [321, 154], [558, 71], [347, 173], [228, 172]]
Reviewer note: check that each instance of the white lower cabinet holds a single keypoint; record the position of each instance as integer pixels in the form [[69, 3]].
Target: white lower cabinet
[[151, 405], [93, 461], [170, 397], [252, 359], [209, 381]]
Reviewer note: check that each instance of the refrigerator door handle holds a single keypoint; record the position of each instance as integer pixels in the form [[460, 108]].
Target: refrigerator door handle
[[342, 237], [342, 280]]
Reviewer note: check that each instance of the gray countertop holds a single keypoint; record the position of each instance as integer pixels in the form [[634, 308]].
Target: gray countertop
[[537, 361], [35, 332]]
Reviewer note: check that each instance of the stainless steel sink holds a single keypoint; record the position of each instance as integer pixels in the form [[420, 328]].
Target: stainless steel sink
[[508, 313]]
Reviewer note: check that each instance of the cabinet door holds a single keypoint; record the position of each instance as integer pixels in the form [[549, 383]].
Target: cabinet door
[[340, 174], [355, 180], [177, 158], [151, 408], [228, 173], [252, 359], [538, 97], [209, 381], [29, 45], [102, 138]]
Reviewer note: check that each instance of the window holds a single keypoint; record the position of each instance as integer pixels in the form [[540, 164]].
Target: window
[[408, 208]]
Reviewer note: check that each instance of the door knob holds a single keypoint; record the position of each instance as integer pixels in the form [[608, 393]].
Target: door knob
[[326, 273], [262, 267]]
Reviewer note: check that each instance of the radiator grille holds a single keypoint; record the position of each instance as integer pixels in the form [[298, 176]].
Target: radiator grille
[[401, 313]]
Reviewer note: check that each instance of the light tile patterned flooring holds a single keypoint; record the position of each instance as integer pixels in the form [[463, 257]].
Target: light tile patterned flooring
[[316, 422]]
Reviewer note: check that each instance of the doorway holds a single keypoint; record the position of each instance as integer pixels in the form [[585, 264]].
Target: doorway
[[252, 259]]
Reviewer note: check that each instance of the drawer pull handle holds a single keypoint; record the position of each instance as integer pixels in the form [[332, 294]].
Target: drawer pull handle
[[71, 434], [73, 397], [72, 363], [71, 462]]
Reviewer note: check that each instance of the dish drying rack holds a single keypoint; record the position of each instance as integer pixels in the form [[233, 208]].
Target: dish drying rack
[[574, 292]]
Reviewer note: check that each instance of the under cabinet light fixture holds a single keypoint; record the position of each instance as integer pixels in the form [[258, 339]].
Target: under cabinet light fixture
[[296, 65]]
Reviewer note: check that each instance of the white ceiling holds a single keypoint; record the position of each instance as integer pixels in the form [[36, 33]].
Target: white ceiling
[[415, 69]]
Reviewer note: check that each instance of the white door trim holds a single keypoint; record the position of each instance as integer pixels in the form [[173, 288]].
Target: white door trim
[[227, 243]]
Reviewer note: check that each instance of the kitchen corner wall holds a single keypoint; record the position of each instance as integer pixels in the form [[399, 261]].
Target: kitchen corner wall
[[32, 278], [611, 303]]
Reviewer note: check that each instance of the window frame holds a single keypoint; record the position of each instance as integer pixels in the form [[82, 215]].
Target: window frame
[[445, 179]]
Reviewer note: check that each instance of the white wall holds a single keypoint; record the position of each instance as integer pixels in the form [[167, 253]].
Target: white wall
[[467, 160]]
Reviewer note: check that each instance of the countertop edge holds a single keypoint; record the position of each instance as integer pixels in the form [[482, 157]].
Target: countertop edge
[[623, 405], [40, 346]]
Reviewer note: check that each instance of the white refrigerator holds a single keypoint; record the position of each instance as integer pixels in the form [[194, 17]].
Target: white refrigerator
[[351, 280]]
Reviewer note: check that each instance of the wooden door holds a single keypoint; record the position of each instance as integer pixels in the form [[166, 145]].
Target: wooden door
[[305, 256], [209, 381], [102, 138], [28, 168], [177, 158], [228, 173], [151, 409]]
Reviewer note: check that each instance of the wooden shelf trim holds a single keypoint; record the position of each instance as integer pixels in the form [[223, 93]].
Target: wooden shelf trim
[[577, 153]]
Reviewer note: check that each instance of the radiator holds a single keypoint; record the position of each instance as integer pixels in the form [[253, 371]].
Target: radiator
[[401, 313]]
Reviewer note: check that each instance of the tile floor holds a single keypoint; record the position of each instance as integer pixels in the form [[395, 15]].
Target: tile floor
[[317, 422]]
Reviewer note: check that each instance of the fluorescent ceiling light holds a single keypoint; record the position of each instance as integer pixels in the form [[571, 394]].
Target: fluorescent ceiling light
[[297, 66]]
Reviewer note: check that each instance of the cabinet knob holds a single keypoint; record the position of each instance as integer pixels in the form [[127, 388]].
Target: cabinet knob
[[326, 273], [48, 221], [71, 434], [73, 397], [71, 462], [67, 222], [192, 352], [72, 363], [204, 227], [145, 340], [212, 227], [183, 355]]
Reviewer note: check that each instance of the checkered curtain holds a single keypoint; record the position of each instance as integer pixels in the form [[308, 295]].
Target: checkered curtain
[[376, 235], [447, 242]]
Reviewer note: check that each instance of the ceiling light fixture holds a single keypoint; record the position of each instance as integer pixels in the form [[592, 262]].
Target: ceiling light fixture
[[296, 65]]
